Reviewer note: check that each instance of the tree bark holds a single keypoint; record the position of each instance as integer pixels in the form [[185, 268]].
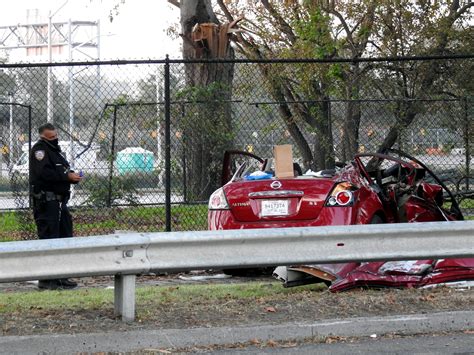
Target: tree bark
[[350, 130], [207, 130]]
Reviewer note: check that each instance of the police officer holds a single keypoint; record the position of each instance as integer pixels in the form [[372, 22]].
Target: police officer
[[50, 180]]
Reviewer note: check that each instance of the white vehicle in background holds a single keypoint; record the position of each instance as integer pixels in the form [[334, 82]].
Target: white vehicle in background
[[74, 154], [458, 151]]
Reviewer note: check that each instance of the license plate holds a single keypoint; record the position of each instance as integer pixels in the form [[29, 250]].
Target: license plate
[[274, 208]]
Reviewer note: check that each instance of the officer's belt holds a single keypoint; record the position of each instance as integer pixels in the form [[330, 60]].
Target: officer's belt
[[51, 196]]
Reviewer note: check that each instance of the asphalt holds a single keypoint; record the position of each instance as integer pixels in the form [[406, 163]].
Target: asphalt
[[182, 338]]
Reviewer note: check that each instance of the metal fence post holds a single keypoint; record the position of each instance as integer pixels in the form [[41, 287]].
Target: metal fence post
[[30, 201], [167, 146], [112, 156], [467, 149], [399, 125], [183, 158]]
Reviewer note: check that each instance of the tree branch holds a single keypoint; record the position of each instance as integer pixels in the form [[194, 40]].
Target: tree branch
[[176, 3], [463, 10], [284, 26], [238, 39], [367, 22], [225, 10], [343, 23]]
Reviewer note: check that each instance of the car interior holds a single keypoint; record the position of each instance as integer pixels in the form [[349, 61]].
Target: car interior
[[396, 176]]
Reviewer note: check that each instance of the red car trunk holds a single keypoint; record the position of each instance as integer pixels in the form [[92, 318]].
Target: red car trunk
[[278, 200]]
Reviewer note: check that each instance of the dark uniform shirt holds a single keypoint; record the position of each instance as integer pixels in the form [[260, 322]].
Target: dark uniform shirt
[[48, 168]]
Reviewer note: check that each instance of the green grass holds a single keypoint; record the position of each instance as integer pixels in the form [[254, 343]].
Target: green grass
[[55, 300], [97, 221], [467, 204], [84, 228], [464, 204], [192, 293], [14, 224], [185, 295], [8, 222]]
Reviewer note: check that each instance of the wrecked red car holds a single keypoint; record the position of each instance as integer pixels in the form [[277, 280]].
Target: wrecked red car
[[373, 188], [393, 187]]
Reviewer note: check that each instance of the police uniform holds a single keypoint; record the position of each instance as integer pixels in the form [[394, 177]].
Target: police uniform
[[50, 190]]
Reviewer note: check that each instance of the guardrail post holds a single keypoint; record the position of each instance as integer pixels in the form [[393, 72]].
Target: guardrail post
[[124, 297]]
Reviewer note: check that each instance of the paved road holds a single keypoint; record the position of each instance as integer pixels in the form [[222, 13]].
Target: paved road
[[455, 324], [458, 343]]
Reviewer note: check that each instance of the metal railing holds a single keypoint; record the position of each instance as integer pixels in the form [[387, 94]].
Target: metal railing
[[127, 255]]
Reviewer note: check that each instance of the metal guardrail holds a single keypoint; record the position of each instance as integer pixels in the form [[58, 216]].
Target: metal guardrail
[[130, 254]]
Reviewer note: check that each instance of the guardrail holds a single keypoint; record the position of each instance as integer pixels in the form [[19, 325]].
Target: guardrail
[[130, 254]]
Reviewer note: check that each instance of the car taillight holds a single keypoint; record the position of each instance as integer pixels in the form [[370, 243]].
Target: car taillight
[[217, 201], [341, 195]]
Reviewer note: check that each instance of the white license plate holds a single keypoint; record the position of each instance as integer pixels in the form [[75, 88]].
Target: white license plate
[[274, 208]]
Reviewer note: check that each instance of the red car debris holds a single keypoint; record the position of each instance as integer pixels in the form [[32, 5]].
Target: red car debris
[[393, 187]]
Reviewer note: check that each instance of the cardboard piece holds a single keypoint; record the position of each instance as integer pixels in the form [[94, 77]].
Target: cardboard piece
[[283, 155]]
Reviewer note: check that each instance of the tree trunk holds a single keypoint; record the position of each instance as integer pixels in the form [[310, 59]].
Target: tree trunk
[[323, 144], [350, 134], [404, 120], [350, 130], [207, 128]]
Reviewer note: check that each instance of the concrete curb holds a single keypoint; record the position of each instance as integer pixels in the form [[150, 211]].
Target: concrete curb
[[171, 338]]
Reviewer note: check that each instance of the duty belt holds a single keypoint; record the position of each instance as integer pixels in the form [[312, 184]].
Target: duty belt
[[48, 196], [51, 196]]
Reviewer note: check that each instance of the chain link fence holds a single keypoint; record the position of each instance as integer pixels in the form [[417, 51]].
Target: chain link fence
[[149, 136]]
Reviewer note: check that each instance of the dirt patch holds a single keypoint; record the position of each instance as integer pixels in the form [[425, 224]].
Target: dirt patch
[[305, 306]]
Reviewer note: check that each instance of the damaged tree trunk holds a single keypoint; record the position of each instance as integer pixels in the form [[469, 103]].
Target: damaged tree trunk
[[207, 123]]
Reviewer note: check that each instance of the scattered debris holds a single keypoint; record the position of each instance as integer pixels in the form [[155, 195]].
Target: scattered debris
[[203, 277], [413, 273]]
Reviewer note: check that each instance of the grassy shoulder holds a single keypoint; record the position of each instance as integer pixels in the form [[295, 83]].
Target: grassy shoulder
[[214, 305], [95, 298]]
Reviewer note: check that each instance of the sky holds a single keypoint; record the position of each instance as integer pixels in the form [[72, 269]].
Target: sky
[[138, 31]]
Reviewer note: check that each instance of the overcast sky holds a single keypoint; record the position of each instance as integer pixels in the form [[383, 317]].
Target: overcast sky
[[137, 32]]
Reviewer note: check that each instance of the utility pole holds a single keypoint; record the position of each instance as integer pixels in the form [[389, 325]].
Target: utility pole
[[49, 104], [10, 136], [71, 99], [50, 109]]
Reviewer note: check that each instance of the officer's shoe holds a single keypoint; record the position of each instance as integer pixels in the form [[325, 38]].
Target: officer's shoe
[[48, 285], [67, 284], [59, 284]]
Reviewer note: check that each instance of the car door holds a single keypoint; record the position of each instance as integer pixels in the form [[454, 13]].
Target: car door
[[235, 158]]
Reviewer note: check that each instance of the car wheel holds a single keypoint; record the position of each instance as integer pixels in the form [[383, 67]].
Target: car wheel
[[376, 219]]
